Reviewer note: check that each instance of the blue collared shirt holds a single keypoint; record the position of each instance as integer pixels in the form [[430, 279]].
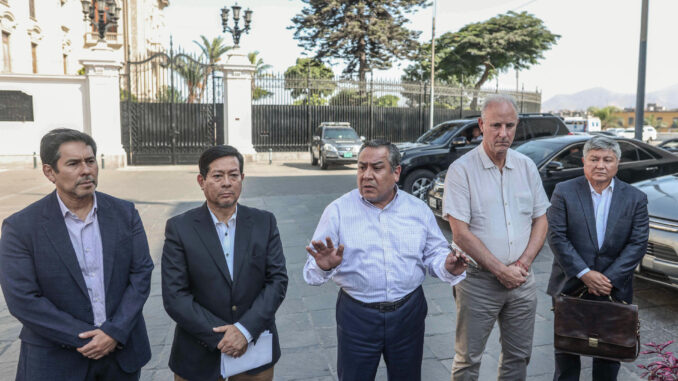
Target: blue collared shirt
[[601, 209], [387, 252], [226, 233], [86, 240]]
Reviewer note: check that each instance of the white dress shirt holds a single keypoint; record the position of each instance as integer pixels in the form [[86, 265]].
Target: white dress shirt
[[387, 252], [226, 232], [601, 209], [86, 240], [498, 206]]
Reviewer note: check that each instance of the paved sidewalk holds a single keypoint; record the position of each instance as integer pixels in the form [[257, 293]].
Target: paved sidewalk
[[297, 194]]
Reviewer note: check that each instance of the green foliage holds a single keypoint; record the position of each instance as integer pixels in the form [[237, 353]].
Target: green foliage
[[481, 50], [260, 68], [309, 78], [126, 96], [81, 71], [314, 100], [607, 116], [348, 97], [366, 34], [387, 101], [212, 50], [651, 120], [169, 94], [194, 74]]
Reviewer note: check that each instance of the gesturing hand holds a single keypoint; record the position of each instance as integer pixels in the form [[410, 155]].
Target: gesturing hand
[[327, 256], [597, 283], [456, 262], [100, 345], [512, 276], [233, 343]]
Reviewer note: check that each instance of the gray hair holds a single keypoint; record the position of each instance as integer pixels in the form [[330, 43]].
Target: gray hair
[[393, 153], [600, 142], [498, 98]]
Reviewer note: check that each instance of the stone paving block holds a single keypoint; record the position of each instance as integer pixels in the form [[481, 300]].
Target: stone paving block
[[441, 345], [303, 363], [541, 362], [327, 336], [439, 324], [319, 302], [293, 322], [298, 339], [324, 318], [543, 333], [290, 306]]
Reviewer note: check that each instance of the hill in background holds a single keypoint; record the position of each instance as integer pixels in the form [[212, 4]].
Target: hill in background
[[600, 97]]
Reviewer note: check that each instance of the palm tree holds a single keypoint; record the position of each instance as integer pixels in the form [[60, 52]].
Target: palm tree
[[607, 116], [194, 75], [259, 70], [212, 52]]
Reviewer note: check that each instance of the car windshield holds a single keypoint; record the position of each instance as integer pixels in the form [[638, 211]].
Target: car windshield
[[440, 133], [340, 133], [539, 150]]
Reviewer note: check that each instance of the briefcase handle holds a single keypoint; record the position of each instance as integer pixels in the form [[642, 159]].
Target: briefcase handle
[[583, 290]]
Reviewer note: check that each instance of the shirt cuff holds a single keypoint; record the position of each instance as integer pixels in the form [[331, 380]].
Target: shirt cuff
[[314, 275], [581, 273], [244, 331], [446, 276]]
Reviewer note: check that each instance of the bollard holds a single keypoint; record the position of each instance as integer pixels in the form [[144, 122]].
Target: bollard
[[103, 163], [270, 156], [35, 161]]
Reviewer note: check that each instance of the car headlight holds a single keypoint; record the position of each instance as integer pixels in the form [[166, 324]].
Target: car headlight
[[356, 149], [329, 147]]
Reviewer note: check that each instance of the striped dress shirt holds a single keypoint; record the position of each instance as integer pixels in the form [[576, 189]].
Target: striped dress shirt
[[387, 252]]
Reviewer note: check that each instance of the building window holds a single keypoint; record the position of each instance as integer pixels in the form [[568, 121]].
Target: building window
[[34, 55], [31, 8], [675, 122], [630, 121], [6, 59], [65, 63]]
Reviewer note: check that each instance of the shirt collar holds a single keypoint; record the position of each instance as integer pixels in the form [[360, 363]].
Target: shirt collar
[[395, 187], [488, 163], [65, 211], [610, 187], [215, 220]]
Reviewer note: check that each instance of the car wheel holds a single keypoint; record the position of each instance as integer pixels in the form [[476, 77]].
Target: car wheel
[[322, 162], [314, 161], [419, 182]]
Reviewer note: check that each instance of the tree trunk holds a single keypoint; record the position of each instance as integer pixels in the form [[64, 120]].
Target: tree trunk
[[481, 81]]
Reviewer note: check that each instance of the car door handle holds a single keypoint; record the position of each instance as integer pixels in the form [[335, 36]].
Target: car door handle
[[651, 168]]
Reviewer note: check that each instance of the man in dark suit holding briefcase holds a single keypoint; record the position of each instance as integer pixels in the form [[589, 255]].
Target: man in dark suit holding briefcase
[[598, 232], [223, 275]]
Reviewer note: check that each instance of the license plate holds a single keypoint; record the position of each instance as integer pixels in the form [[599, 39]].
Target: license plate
[[348, 154], [433, 203]]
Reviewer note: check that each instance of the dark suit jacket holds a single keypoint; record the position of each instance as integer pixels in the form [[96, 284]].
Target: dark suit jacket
[[573, 239], [45, 289], [199, 294]]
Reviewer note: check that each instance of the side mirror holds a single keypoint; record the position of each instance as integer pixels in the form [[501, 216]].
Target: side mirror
[[362, 138], [554, 166], [459, 141], [316, 138]]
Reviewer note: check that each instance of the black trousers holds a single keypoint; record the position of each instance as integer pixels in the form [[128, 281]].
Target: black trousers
[[568, 368], [365, 334]]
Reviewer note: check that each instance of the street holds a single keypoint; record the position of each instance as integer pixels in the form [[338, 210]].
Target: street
[[297, 194]]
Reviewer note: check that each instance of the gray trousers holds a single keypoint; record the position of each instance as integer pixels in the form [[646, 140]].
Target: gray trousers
[[481, 300]]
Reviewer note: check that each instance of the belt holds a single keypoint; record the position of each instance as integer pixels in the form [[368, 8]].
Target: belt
[[383, 306]]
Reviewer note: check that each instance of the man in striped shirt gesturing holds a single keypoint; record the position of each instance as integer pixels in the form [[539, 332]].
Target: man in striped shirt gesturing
[[377, 243]]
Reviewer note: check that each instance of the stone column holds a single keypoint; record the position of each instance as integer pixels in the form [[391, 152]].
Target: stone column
[[238, 75], [102, 104]]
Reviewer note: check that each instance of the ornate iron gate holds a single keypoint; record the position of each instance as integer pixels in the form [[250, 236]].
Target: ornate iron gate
[[169, 109]]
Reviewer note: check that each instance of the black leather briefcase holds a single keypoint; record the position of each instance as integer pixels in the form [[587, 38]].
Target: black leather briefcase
[[603, 329]]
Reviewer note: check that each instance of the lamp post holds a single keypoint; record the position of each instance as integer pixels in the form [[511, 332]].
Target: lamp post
[[236, 31], [102, 14]]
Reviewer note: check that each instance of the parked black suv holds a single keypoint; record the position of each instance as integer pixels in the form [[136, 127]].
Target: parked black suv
[[334, 143], [435, 150]]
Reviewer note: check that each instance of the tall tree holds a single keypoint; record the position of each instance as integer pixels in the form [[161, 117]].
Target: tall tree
[[212, 52], [310, 79], [484, 49], [367, 34], [194, 75]]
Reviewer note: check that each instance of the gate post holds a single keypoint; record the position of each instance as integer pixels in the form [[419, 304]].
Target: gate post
[[238, 76], [102, 100]]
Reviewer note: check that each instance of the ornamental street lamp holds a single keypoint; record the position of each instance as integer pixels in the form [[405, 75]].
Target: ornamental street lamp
[[236, 31], [103, 14]]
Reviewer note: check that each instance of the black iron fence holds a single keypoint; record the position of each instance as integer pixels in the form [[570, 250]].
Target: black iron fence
[[285, 111], [171, 108]]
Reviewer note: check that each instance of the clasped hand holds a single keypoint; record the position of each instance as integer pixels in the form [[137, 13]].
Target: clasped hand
[[233, 343], [513, 276], [326, 256], [100, 345], [597, 283]]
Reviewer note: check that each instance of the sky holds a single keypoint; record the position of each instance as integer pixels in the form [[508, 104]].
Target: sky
[[598, 47]]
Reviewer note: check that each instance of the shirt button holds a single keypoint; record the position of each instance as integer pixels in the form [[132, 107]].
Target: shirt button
[[234, 308], [506, 203], [509, 223]]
